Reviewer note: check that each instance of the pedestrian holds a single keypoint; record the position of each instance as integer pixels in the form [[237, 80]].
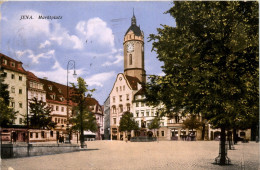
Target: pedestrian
[[62, 139]]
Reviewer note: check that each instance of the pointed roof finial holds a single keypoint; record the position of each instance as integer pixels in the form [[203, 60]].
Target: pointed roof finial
[[133, 21]]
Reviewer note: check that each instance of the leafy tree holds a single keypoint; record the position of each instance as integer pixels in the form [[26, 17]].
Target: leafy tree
[[84, 119], [4, 93], [40, 117], [210, 63], [155, 124], [127, 123], [7, 114], [192, 123]]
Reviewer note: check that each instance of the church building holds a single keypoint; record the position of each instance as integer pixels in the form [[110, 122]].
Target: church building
[[128, 84]]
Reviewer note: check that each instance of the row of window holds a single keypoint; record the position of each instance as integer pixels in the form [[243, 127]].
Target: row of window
[[121, 98], [12, 104], [36, 85], [13, 90], [114, 109], [57, 108], [142, 104], [12, 64], [20, 78], [36, 95], [60, 120], [120, 88], [50, 88], [146, 113], [37, 134]]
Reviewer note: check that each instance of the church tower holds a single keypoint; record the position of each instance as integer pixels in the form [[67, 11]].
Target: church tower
[[134, 52]]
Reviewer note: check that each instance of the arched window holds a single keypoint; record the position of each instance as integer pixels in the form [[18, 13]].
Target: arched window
[[130, 59]]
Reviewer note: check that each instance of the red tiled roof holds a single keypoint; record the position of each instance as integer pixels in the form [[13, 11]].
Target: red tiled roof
[[92, 101], [132, 81], [31, 76], [55, 90], [18, 65]]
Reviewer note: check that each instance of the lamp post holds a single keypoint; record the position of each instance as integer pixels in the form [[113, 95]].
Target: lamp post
[[71, 64]]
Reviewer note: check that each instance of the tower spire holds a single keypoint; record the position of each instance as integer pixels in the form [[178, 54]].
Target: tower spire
[[133, 21]]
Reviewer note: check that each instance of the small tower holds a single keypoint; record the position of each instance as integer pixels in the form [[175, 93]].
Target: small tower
[[134, 51]]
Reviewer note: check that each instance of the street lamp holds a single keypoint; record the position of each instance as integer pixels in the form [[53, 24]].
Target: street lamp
[[71, 64]]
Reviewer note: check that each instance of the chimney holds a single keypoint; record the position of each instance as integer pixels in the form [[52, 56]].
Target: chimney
[[45, 78]]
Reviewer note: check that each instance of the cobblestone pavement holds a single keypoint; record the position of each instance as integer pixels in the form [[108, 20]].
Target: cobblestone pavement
[[166, 155]]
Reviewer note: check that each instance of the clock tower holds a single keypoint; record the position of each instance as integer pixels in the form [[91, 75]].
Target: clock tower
[[134, 52]]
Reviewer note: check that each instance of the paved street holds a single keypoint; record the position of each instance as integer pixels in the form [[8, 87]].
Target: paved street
[[151, 155]]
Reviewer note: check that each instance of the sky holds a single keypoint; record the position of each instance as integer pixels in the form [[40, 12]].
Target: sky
[[90, 33]]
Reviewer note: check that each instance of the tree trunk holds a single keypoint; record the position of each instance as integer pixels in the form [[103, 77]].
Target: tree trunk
[[235, 136], [81, 129], [222, 146], [203, 131]]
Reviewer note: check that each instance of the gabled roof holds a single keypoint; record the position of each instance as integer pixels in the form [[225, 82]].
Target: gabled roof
[[18, 65], [132, 82], [92, 101]]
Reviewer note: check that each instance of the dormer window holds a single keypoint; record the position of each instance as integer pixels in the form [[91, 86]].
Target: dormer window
[[4, 61], [61, 98], [50, 87], [53, 96], [12, 64], [59, 90]]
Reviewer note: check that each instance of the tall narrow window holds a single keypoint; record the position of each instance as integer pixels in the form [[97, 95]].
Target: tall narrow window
[[130, 59]]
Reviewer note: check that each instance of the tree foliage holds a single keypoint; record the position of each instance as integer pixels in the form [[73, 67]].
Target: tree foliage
[[83, 119], [127, 123], [192, 123], [88, 121], [210, 63], [40, 115], [155, 123], [7, 114]]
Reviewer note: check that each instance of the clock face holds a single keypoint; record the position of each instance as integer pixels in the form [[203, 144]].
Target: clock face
[[130, 47]]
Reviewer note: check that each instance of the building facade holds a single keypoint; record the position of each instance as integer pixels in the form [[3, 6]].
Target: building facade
[[97, 110], [16, 77], [56, 98]]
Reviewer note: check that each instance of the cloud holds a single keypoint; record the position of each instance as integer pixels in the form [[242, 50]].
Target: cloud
[[35, 58], [100, 78], [95, 29], [58, 74], [44, 44], [35, 30], [63, 38], [29, 27], [118, 60]]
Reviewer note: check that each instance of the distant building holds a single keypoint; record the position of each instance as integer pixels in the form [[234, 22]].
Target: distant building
[[97, 109], [144, 114], [107, 119], [56, 98]]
